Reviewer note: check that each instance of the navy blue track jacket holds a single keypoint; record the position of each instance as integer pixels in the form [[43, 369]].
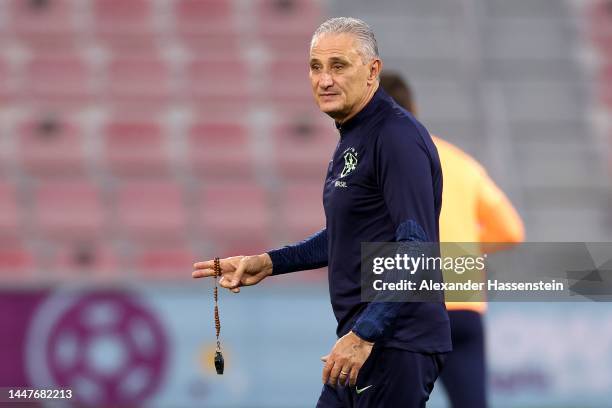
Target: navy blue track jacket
[[384, 184]]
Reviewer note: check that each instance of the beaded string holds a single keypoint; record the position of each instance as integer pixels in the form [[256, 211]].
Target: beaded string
[[218, 360], [216, 296]]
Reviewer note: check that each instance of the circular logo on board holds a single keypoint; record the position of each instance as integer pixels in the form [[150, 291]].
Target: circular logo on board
[[108, 347]]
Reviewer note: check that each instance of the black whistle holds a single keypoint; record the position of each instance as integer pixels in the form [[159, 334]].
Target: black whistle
[[219, 362]]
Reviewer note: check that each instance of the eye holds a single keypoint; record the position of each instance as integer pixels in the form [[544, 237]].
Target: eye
[[338, 67], [315, 67]]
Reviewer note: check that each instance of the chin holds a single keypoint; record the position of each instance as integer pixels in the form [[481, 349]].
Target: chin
[[329, 108]]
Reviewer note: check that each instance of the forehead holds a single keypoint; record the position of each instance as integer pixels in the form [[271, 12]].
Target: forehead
[[335, 45]]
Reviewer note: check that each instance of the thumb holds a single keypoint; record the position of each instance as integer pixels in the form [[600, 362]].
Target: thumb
[[324, 358]]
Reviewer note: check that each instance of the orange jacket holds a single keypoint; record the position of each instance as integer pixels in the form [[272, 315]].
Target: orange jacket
[[474, 209]]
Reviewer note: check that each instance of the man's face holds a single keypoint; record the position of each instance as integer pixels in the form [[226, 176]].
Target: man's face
[[338, 75]]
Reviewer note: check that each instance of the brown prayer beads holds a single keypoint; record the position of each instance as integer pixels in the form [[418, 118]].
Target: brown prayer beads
[[219, 362]]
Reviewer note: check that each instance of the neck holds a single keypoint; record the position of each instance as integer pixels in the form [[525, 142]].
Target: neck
[[367, 98]]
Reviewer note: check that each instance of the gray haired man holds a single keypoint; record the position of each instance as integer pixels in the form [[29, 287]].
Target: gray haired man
[[384, 184]]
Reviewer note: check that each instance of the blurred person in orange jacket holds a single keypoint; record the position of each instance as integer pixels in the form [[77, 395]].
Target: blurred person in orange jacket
[[474, 209]]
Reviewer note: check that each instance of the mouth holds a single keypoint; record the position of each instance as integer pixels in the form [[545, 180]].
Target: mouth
[[327, 95]]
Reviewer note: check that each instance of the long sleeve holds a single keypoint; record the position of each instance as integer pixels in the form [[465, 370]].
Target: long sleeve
[[379, 316], [310, 253]]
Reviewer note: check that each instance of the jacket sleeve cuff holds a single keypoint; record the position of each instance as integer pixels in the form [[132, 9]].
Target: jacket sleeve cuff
[[368, 330], [279, 260]]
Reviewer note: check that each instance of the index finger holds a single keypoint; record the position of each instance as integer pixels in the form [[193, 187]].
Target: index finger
[[327, 370], [204, 264]]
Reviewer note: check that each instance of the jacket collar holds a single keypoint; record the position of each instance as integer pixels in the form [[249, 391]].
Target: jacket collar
[[364, 114]]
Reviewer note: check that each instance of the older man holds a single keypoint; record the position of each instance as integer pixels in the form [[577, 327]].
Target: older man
[[384, 184]]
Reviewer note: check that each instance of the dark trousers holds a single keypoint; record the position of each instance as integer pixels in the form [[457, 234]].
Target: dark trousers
[[390, 378], [464, 374]]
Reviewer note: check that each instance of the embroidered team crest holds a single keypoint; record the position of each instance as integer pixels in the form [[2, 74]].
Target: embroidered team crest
[[350, 161]]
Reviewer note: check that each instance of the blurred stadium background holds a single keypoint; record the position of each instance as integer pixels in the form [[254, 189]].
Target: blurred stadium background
[[138, 136]]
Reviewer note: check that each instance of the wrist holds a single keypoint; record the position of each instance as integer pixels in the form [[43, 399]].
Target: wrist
[[361, 340], [266, 263]]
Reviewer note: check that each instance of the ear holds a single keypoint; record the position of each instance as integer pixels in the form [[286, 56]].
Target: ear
[[375, 68]]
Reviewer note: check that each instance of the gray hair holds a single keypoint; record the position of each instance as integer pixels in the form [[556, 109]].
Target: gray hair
[[368, 48]]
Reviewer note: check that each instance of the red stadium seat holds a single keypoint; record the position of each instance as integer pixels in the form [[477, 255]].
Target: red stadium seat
[[287, 25], [220, 84], [302, 210], [289, 43], [86, 261], [164, 262], [240, 245], [220, 150], [10, 217], [599, 14], [303, 145], [206, 25], [287, 81], [234, 216], [603, 42], [140, 80], [67, 209], [50, 145], [605, 84], [17, 263], [125, 24], [7, 90], [203, 15], [599, 24], [151, 210], [58, 80], [208, 45], [135, 147], [43, 24], [296, 15]]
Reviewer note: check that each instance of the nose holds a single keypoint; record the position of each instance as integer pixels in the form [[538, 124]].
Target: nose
[[325, 80]]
